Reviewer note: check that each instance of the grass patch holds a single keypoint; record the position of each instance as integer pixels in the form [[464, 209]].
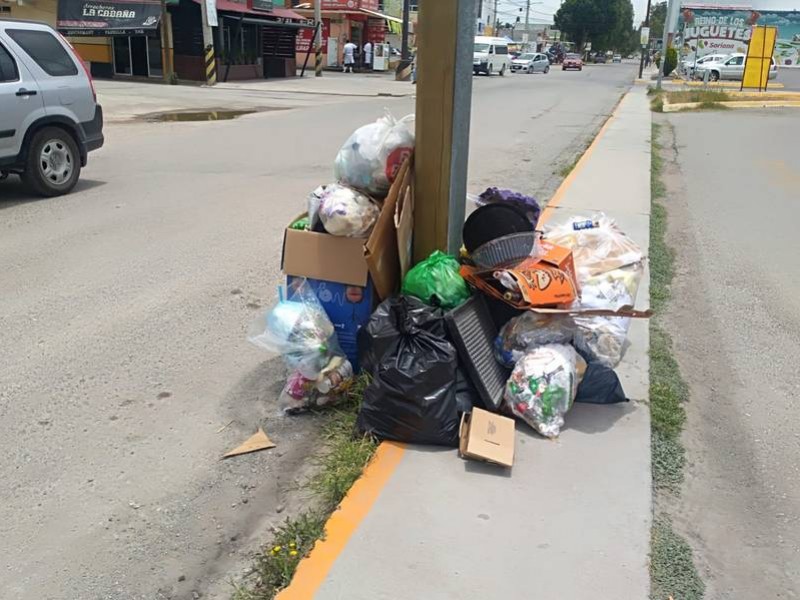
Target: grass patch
[[345, 456], [703, 96], [672, 571]]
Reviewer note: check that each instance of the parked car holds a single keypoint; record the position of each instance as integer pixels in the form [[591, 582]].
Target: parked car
[[572, 61], [598, 58], [532, 62], [731, 67], [617, 58], [49, 116], [490, 55], [689, 65]]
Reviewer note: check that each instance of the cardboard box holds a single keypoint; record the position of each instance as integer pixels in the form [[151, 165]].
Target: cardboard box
[[351, 275], [487, 437]]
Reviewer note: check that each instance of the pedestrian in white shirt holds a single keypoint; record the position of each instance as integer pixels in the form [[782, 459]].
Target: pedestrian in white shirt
[[368, 55], [349, 56]]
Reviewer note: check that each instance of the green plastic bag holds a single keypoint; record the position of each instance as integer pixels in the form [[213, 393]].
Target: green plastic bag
[[437, 282]]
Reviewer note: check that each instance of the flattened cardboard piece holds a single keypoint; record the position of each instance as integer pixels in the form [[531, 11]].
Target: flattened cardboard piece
[[323, 256], [487, 437], [256, 442], [404, 224], [381, 249]]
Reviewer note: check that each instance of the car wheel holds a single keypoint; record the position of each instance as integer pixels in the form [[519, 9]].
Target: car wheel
[[547, 69], [53, 164], [713, 76], [503, 71], [489, 70], [580, 68]]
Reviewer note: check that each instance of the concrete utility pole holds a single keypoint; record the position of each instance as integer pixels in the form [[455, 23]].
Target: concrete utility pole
[[671, 21], [318, 38], [208, 12], [495, 20], [168, 68], [444, 98], [646, 24], [527, 17]]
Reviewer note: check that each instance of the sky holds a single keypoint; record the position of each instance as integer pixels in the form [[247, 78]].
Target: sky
[[509, 9]]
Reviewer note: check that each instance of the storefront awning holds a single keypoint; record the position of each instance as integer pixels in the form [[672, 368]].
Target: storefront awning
[[389, 18], [275, 15], [108, 17]]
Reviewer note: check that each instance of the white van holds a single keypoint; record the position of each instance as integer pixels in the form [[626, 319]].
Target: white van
[[490, 55]]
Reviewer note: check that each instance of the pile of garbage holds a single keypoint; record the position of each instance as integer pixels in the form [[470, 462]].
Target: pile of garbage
[[523, 324]]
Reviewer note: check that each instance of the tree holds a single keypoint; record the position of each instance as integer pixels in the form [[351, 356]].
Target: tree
[[605, 23], [658, 14], [670, 61]]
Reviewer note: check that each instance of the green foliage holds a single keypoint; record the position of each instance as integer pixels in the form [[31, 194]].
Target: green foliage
[[672, 571], [671, 61], [658, 14], [607, 24]]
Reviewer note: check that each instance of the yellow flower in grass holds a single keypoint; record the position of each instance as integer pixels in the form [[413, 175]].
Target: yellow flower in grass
[[293, 553]]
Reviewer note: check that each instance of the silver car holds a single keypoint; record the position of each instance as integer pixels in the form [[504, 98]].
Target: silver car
[[49, 116], [532, 62], [731, 67]]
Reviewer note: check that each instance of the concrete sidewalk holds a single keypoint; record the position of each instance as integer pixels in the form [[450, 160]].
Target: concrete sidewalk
[[571, 519]]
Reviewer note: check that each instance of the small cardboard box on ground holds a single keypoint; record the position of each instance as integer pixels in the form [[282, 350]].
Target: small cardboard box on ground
[[487, 437], [351, 275]]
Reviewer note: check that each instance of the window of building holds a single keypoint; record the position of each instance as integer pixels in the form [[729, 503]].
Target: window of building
[[243, 49], [46, 50]]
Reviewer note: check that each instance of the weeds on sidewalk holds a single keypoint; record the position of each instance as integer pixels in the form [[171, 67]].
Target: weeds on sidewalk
[[672, 571], [344, 459]]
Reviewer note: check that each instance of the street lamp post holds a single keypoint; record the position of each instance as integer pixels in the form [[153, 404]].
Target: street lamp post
[[646, 24]]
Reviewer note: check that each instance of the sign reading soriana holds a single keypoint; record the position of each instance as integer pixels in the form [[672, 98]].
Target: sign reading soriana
[[706, 29], [92, 17]]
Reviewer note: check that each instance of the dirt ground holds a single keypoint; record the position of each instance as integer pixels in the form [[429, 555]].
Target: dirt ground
[[734, 320]]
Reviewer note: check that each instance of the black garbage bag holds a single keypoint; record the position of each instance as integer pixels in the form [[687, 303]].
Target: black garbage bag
[[413, 393], [600, 385]]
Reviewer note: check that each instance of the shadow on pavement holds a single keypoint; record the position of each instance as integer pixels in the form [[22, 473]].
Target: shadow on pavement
[[14, 193]]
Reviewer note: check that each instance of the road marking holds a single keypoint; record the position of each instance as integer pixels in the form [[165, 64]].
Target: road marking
[[313, 570], [342, 524]]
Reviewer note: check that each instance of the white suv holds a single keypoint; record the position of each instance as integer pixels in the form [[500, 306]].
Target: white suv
[[49, 116]]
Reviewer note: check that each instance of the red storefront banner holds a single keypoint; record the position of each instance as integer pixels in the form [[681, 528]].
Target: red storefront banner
[[306, 35], [376, 31]]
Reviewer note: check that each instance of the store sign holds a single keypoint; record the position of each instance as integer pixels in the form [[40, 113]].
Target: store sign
[[265, 5], [349, 4], [376, 31], [705, 30], [644, 37], [91, 17], [306, 35]]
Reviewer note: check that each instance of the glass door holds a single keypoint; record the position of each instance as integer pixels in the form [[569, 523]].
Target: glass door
[[122, 55], [154, 57]]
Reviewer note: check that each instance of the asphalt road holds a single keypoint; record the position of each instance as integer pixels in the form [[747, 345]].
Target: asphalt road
[[123, 314], [735, 319]]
